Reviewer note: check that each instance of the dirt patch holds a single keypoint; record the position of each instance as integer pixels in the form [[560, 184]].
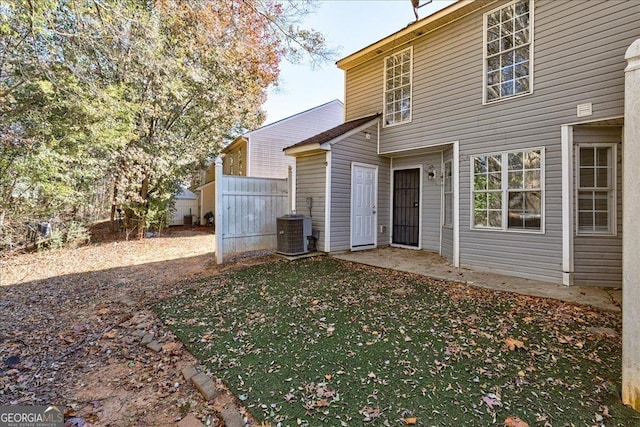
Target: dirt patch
[[69, 319]]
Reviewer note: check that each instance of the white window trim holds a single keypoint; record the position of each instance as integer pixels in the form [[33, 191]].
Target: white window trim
[[484, 55], [384, 89], [505, 190], [613, 201], [444, 192]]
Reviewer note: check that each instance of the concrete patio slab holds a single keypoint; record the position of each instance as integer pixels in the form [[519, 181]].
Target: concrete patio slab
[[433, 265]]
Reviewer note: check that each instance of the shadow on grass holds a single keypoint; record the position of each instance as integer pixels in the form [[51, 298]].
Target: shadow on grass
[[325, 342]]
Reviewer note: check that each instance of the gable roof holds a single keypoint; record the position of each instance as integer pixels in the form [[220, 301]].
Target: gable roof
[[412, 31], [335, 134], [245, 136], [295, 115]]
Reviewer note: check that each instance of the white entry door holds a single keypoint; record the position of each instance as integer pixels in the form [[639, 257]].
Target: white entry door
[[364, 180]]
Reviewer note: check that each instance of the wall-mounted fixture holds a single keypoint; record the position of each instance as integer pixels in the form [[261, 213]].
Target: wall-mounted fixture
[[367, 135], [431, 172], [309, 203]]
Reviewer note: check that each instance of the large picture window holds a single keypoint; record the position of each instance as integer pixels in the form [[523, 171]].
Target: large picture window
[[596, 189], [397, 87], [508, 52], [508, 191]]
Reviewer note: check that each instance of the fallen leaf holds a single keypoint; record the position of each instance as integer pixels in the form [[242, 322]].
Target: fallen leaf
[[328, 377], [492, 400], [410, 421], [513, 344], [322, 403], [111, 334], [171, 346], [514, 422]]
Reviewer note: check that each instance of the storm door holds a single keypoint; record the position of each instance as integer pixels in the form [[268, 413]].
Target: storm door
[[406, 207]]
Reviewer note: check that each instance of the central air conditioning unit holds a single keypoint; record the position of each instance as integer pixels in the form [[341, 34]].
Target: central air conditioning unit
[[294, 231]]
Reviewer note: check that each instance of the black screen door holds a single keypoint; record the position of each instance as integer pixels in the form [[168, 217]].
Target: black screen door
[[406, 206]]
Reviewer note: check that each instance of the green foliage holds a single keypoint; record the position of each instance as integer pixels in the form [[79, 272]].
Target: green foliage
[[129, 97]]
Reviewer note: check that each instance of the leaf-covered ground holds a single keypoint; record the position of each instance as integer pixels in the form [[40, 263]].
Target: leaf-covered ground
[[325, 342], [66, 323]]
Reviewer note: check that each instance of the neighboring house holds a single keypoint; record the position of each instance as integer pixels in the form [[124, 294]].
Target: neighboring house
[[258, 153], [483, 134], [185, 207]]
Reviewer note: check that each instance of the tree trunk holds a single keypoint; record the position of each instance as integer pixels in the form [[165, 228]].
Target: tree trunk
[[144, 193], [114, 226]]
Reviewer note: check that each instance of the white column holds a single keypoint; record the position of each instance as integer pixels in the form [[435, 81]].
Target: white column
[[218, 211], [631, 231], [290, 188]]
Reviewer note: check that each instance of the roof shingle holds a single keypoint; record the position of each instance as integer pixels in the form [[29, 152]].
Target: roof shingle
[[335, 132]]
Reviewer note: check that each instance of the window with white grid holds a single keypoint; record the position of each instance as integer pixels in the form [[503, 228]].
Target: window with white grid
[[596, 190], [397, 87], [448, 193], [508, 51], [508, 192]]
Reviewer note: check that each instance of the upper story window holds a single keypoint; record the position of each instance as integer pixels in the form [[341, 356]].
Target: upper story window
[[508, 51], [397, 87]]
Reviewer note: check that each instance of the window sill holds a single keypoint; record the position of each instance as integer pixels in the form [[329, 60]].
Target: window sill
[[499, 100], [596, 234], [502, 230], [384, 125]]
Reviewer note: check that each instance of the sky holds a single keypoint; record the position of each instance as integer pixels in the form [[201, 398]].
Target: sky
[[348, 25]]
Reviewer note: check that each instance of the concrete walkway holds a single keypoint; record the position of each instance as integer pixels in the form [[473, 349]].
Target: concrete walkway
[[433, 265]]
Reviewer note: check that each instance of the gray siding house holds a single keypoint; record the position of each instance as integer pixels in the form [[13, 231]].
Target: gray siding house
[[489, 132]]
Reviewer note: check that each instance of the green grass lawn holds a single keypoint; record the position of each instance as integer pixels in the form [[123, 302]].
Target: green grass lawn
[[324, 342]]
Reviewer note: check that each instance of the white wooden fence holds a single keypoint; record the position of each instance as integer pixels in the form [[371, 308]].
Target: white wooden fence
[[246, 212]]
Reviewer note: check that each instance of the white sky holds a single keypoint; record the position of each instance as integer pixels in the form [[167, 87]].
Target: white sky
[[349, 25]]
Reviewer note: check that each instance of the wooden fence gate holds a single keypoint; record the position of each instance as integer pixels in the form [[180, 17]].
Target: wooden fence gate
[[246, 211]]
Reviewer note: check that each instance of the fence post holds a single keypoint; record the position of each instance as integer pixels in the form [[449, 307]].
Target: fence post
[[218, 211], [631, 231], [290, 185]]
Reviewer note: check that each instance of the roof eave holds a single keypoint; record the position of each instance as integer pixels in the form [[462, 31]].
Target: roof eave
[[409, 33], [234, 143], [307, 149]]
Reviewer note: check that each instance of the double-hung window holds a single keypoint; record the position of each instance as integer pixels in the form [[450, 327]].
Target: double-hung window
[[507, 191], [397, 87], [596, 190], [448, 194], [508, 51]]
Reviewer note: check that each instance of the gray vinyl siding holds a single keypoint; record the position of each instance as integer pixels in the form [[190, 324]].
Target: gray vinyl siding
[[447, 231], [266, 158], [431, 196], [578, 57], [311, 182], [598, 259], [356, 148]]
